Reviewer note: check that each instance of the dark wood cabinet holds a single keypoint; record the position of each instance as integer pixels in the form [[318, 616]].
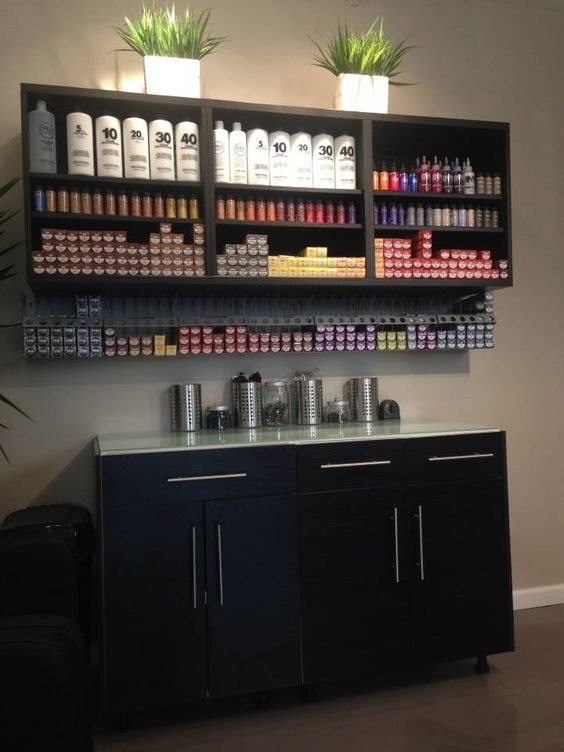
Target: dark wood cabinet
[[253, 594], [155, 618], [354, 590], [234, 571], [200, 595], [461, 600]]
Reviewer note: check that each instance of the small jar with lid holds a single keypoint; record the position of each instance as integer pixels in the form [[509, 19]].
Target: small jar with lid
[[218, 417], [338, 412], [275, 403]]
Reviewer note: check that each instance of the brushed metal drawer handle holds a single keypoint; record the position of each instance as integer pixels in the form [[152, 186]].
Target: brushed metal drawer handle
[[476, 456], [186, 479], [337, 465]]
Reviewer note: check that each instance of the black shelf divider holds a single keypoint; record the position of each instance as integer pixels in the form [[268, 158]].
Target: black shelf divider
[[432, 228], [45, 178], [233, 188]]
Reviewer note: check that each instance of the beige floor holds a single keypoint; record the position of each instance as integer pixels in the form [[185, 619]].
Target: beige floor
[[518, 707]]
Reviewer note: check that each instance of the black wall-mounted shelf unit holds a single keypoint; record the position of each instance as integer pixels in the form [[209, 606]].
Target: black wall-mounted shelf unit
[[391, 137]]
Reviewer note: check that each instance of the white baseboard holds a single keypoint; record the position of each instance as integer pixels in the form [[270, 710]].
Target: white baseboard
[[550, 595]]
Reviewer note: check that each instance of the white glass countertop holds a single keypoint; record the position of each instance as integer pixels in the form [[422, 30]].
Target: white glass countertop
[[166, 441]]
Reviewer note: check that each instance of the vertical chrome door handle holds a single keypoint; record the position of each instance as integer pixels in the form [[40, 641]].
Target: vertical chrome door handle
[[396, 539], [419, 515], [220, 562], [194, 569]]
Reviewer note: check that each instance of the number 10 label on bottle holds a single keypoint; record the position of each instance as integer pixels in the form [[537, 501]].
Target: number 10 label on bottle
[[345, 162], [187, 143], [279, 153], [108, 147], [323, 161], [161, 149]]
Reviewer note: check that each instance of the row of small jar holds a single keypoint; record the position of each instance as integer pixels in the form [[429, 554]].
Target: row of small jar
[[435, 216]]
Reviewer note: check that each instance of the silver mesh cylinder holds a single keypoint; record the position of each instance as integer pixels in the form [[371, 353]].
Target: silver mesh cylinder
[[308, 400], [247, 404], [364, 391], [185, 407]]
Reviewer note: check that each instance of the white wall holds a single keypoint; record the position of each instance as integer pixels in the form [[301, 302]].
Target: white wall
[[483, 59]]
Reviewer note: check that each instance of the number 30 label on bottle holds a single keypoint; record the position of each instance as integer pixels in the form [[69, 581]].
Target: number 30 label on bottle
[[163, 138], [325, 150]]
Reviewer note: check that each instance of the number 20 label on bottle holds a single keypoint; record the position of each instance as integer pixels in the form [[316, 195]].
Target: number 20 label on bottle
[[323, 161], [161, 150], [300, 160]]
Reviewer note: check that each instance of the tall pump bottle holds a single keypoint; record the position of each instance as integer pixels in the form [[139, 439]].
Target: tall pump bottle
[[436, 176], [425, 177], [447, 177], [238, 154], [136, 148], [108, 147], [221, 153], [42, 141], [80, 144]]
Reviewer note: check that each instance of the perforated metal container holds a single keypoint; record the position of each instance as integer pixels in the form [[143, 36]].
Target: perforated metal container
[[308, 402], [185, 407], [247, 404], [363, 396]]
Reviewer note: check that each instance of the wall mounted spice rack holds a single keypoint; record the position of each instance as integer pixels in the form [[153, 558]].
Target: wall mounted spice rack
[[377, 137]]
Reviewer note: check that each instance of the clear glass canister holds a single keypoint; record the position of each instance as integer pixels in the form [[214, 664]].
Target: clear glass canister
[[275, 403], [218, 417], [338, 412]]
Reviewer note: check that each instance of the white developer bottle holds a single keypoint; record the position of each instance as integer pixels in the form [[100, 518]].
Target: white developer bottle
[[279, 157], [42, 141], [323, 161], [80, 144], [136, 148], [221, 153], [345, 162], [108, 147], [258, 172], [238, 154], [161, 149], [187, 144], [301, 168]]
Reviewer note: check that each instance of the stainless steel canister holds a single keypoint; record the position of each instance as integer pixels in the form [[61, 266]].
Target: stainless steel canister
[[247, 404], [364, 396], [185, 407], [308, 401]]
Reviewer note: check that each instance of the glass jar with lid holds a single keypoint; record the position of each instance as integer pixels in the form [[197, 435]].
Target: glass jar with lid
[[275, 403], [218, 417], [338, 412]]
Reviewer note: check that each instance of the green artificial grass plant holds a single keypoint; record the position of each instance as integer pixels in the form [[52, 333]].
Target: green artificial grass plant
[[163, 32], [5, 273], [368, 54]]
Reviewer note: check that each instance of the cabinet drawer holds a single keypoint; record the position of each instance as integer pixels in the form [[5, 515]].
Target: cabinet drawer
[[448, 458], [327, 467], [217, 474]]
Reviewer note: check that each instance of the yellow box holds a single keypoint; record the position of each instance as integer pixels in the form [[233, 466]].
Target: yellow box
[[159, 340], [170, 350], [159, 350]]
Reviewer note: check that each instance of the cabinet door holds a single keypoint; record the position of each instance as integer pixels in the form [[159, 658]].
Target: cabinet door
[[461, 577], [354, 583], [154, 612], [253, 594]]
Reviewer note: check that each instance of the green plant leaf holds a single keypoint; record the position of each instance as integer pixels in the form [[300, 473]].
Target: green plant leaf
[[11, 404], [369, 54], [165, 33]]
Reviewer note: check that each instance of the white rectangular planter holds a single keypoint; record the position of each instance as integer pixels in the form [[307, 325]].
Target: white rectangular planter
[[361, 93], [172, 76]]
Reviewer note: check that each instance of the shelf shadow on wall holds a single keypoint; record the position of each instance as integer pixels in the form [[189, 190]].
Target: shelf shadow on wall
[[75, 484]]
